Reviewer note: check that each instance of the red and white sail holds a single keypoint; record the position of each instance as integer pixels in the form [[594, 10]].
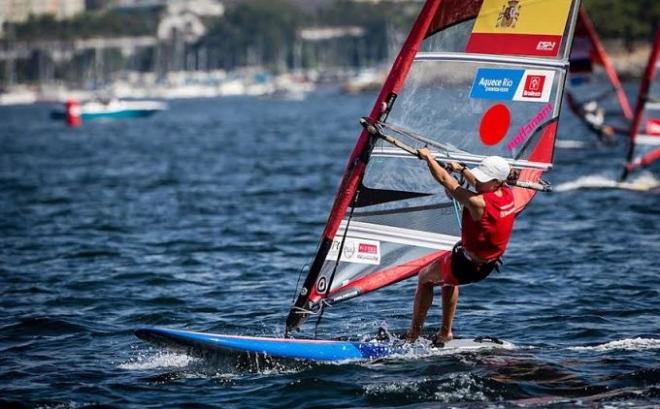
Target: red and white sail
[[644, 143], [590, 68], [474, 78]]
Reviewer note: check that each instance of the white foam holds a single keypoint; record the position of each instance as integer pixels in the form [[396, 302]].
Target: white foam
[[423, 348], [159, 360], [570, 144], [393, 387], [590, 181], [629, 344], [643, 182], [462, 387], [457, 387], [68, 405]]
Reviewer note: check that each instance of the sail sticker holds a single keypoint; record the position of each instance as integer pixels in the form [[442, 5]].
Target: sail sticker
[[536, 86], [359, 251], [495, 124], [512, 85], [653, 127], [528, 129], [520, 27], [494, 83]]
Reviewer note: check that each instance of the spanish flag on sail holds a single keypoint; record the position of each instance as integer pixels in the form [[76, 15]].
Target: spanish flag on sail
[[520, 27]]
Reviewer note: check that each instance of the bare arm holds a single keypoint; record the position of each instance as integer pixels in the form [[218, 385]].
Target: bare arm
[[463, 170], [472, 201]]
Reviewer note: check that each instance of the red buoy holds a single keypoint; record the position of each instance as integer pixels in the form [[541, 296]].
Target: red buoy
[[72, 113]]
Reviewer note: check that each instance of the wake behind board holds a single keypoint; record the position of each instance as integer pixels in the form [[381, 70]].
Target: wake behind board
[[642, 183], [201, 344]]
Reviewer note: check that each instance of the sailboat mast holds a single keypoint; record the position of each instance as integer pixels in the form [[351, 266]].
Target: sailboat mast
[[642, 98], [606, 62]]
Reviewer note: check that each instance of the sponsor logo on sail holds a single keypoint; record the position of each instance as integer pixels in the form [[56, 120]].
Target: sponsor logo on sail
[[355, 250], [349, 249], [534, 86], [528, 129], [320, 285], [498, 84], [368, 248], [509, 15], [546, 46], [512, 85]]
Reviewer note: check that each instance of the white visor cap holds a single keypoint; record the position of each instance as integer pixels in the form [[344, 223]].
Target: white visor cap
[[492, 168]]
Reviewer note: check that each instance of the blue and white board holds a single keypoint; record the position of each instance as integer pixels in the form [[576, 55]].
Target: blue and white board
[[291, 348]]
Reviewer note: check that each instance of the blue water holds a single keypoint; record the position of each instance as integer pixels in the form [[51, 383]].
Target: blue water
[[202, 217]]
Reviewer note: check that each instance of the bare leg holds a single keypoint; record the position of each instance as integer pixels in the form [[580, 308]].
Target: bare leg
[[449, 303], [426, 280]]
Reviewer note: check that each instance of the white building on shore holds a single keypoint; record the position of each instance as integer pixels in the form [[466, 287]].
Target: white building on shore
[[18, 11]]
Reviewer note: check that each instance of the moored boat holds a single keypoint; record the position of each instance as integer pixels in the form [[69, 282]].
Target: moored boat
[[111, 109]]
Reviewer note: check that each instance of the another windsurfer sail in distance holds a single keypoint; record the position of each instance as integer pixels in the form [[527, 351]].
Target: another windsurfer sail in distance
[[487, 222], [644, 142], [589, 60], [593, 116]]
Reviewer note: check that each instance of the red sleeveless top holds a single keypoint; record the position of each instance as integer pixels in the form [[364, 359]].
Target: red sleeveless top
[[488, 237]]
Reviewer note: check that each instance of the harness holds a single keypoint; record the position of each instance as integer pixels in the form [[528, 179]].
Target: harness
[[468, 271]]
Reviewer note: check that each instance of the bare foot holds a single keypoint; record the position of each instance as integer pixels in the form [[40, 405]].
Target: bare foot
[[411, 336], [441, 338]]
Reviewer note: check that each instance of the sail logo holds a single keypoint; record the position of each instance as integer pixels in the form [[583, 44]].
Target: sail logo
[[494, 83], [512, 85], [349, 249], [546, 46], [530, 127], [534, 86], [368, 248], [355, 250], [509, 15]]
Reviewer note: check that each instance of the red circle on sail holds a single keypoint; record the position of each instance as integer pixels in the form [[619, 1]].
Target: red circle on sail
[[495, 124]]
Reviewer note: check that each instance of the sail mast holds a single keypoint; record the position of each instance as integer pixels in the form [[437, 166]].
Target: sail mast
[[642, 100], [604, 59], [357, 161]]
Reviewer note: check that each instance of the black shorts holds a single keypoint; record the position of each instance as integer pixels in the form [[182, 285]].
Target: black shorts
[[465, 271]]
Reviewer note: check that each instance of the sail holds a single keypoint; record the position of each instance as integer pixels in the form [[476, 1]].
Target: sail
[[644, 142], [589, 64], [474, 78]]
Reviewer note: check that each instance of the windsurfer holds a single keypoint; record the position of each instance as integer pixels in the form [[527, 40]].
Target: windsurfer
[[487, 222], [593, 115]]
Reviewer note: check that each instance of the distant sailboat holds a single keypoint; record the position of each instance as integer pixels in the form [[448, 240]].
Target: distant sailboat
[[109, 109], [593, 80], [644, 142]]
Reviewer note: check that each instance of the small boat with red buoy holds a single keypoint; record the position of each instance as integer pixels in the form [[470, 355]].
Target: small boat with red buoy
[[74, 112]]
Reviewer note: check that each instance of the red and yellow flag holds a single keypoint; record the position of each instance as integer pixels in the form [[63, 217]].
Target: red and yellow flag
[[520, 27]]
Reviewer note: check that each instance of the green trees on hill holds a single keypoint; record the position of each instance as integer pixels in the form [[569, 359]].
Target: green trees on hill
[[91, 24], [272, 23], [266, 32], [254, 32], [626, 19]]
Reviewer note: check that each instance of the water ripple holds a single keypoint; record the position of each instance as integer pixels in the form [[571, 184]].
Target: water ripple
[[203, 219]]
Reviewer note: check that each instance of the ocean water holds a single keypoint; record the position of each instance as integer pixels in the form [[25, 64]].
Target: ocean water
[[202, 218]]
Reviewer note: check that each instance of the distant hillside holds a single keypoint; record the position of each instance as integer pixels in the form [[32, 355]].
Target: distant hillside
[[624, 19]]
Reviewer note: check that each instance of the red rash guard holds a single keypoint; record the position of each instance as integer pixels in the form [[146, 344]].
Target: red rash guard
[[488, 237]]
